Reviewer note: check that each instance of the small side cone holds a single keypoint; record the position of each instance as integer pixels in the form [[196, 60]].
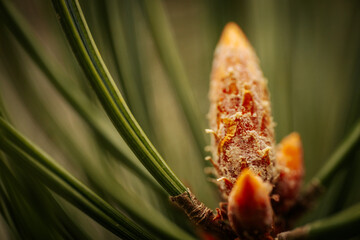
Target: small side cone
[[289, 160], [249, 209]]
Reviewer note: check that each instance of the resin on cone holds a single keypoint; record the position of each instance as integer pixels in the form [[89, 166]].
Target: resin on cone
[[240, 113]]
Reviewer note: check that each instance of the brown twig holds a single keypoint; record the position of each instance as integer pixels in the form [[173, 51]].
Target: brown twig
[[296, 234], [202, 216]]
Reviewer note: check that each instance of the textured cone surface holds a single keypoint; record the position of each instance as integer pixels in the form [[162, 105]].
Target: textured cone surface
[[240, 114], [289, 157], [249, 208]]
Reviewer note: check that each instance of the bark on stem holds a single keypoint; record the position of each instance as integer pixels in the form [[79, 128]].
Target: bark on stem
[[202, 216], [300, 233]]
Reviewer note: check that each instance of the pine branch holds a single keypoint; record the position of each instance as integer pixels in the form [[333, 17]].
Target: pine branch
[[76, 99], [340, 226], [113, 28], [83, 45]]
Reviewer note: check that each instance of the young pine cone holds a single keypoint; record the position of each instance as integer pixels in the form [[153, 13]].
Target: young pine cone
[[243, 144]]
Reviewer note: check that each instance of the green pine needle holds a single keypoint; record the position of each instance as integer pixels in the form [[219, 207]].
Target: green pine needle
[[80, 39], [76, 99], [343, 225], [59, 180]]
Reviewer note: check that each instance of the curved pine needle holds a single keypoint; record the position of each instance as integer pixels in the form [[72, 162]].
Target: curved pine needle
[[59, 180], [336, 159], [83, 45], [120, 51], [340, 226], [129, 203], [170, 57], [25, 203], [76, 99]]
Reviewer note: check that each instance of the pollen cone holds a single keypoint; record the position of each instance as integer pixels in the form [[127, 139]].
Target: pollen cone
[[249, 208], [240, 113], [289, 159]]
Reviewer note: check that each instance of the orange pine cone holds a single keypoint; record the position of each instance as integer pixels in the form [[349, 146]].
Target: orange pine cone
[[289, 160], [240, 113]]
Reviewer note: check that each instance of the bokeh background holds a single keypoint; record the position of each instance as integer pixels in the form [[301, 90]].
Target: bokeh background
[[309, 52]]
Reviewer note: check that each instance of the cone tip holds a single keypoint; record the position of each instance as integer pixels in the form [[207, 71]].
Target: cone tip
[[248, 182], [232, 35], [290, 152]]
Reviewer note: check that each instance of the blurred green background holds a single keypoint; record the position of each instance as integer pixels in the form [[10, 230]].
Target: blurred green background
[[309, 51]]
